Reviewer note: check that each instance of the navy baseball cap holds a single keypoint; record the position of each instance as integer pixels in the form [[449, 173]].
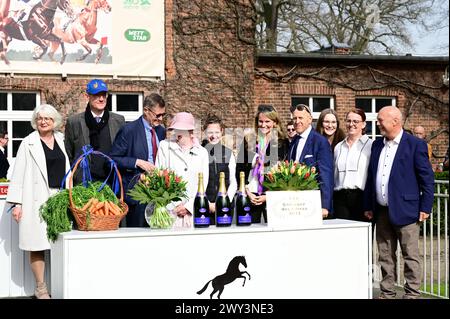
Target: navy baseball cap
[[96, 86]]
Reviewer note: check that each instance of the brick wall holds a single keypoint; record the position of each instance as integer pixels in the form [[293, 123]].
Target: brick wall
[[209, 62], [345, 83]]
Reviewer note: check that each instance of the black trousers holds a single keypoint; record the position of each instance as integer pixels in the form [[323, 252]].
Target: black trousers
[[136, 216], [348, 204], [258, 211]]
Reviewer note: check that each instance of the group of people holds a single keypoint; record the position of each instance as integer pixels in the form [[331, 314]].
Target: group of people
[[389, 180]]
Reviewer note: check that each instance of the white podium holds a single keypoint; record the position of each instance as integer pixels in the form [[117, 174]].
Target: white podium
[[330, 261]]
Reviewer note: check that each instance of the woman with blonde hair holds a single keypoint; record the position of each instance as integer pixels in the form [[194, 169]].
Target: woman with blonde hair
[[260, 150], [40, 166]]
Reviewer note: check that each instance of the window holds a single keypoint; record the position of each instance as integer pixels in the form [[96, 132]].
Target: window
[[371, 106], [16, 109], [127, 104], [316, 103]]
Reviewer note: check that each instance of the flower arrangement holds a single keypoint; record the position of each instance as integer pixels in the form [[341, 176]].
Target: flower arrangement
[[159, 187], [291, 176]]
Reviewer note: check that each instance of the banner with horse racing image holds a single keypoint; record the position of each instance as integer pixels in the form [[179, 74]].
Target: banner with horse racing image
[[101, 37]]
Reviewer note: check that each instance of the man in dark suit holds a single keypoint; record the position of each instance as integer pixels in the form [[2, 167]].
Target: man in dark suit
[[135, 148], [4, 164], [399, 194], [312, 148], [96, 126]]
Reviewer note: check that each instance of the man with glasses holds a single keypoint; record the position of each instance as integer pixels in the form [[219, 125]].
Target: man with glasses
[[311, 148], [96, 126], [4, 164], [135, 149]]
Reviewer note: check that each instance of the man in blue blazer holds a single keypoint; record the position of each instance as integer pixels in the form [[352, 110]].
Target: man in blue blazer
[[312, 148], [134, 151], [399, 194]]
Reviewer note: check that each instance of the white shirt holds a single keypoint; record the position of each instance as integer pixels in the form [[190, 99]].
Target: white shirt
[[2, 149], [385, 162], [95, 115], [232, 188], [351, 163], [302, 142]]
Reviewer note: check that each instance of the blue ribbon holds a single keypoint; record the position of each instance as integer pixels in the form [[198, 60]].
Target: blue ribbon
[[87, 150]]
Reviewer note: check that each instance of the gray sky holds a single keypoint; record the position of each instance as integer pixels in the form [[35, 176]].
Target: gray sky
[[430, 44], [433, 43]]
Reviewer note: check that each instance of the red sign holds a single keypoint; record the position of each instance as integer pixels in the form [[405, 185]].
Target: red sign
[[3, 190]]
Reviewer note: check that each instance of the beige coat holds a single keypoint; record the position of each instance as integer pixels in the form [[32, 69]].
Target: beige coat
[[187, 165], [29, 187]]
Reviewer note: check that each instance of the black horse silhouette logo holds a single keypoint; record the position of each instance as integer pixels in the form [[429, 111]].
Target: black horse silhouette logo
[[233, 272]]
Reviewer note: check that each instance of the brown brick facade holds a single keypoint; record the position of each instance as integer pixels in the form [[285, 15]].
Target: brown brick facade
[[211, 66], [418, 88]]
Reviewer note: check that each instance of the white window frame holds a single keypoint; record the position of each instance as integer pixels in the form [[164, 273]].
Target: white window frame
[[371, 117], [129, 115], [9, 116], [315, 115]]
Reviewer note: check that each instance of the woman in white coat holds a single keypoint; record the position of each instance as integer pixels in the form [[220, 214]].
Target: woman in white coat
[[184, 155], [41, 163]]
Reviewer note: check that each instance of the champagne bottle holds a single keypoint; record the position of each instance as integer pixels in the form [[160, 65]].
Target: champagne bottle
[[243, 212], [201, 205], [224, 214]]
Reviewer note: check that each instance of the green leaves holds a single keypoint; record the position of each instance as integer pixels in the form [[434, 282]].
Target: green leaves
[[160, 187], [55, 212]]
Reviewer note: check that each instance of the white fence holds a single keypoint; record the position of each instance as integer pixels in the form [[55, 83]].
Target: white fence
[[433, 247]]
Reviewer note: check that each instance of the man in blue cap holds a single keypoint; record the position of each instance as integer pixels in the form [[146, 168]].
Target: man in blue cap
[[95, 126]]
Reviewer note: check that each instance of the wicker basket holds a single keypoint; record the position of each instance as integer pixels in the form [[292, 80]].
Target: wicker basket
[[88, 221]]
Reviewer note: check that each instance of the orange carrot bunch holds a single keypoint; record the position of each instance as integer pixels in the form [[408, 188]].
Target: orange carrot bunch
[[102, 208]]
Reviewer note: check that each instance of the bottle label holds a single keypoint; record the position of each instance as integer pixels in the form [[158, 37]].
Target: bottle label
[[224, 219], [225, 209], [247, 208], [245, 219], [201, 220], [202, 210]]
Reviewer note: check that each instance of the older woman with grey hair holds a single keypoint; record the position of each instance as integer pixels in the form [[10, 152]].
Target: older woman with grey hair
[[40, 166]]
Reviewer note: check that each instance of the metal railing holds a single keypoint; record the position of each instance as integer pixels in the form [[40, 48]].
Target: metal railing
[[433, 247]]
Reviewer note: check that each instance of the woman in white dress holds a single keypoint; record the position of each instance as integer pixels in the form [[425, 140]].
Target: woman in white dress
[[183, 154], [40, 166]]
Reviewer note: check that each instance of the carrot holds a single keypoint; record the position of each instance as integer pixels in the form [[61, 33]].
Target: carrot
[[106, 208], [99, 205], [94, 204], [115, 208], [85, 207], [100, 212]]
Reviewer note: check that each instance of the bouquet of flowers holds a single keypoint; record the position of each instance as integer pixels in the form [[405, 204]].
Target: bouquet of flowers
[[291, 176], [159, 187]]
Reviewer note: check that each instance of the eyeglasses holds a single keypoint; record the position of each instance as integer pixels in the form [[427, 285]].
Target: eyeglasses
[[161, 116], [44, 119], [301, 107], [350, 122], [100, 95], [265, 108], [290, 129]]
